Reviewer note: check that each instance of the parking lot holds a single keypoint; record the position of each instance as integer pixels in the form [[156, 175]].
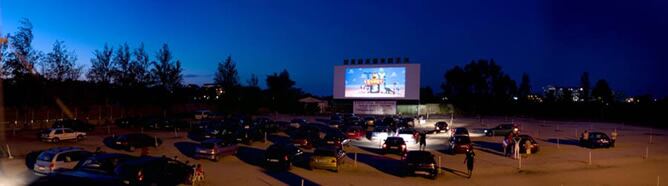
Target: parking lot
[[634, 161]]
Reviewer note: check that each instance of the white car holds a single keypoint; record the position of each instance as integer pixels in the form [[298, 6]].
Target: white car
[[59, 158], [57, 134], [380, 133], [408, 134]]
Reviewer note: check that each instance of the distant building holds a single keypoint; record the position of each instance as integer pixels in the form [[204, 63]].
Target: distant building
[[563, 93]]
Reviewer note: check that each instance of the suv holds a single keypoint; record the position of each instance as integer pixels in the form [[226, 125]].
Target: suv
[[213, 149], [420, 162], [596, 140], [59, 158], [57, 134], [459, 144]]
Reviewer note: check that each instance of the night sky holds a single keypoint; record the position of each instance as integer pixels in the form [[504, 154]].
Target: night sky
[[554, 41]]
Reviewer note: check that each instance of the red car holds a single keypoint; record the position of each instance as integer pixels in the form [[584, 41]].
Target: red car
[[355, 132], [460, 144]]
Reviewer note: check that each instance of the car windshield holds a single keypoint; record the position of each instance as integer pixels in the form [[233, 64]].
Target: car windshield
[[461, 131], [321, 152], [45, 156]]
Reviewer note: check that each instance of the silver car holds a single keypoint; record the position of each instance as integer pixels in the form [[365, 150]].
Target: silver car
[[59, 158]]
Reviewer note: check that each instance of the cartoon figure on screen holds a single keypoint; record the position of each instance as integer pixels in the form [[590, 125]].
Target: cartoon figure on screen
[[373, 82]]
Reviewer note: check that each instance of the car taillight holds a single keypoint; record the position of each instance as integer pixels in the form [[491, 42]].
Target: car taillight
[[285, 157], [403, 146], [52, 166], [384, 145], [140, 176]]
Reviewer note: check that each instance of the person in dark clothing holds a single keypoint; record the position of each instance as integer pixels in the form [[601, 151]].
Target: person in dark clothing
[[470, 155], [423, 140]]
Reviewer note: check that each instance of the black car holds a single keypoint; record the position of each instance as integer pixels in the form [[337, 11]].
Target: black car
[[336, 138], [121, 169], [501, 130], [76, 125], [420, 162], [394, 144], [441, 126], [282, 156], [135, 140], [596, 140]]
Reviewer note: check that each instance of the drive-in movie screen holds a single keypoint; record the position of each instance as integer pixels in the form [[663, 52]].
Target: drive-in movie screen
[[381, 82]]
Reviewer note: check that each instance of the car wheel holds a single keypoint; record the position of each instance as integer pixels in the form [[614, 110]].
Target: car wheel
[[216, 158], [80, 137], [55, 140]]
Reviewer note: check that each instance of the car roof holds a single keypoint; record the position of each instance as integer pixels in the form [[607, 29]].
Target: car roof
[[56, 150], [213, 140]]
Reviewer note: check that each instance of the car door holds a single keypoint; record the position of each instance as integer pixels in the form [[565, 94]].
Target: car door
[[69, 134], [58, 133], [67, 160]]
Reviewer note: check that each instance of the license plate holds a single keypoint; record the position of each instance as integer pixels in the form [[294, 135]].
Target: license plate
[[40, 168], [246, 127], [203, 151], [351, 133], [272, 160], [422, 172], [394, 147], [330, 142], [118, 142]]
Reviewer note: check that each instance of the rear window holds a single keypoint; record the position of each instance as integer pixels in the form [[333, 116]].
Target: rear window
[[320, 152], [45, 157], [395, 140]]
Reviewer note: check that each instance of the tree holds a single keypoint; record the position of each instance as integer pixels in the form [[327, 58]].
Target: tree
[[102, 68], [227, 75], [3, 56], [139, 67], [282, 92], [427, 94], [602, 92], [253, 81], [525, 88], [22, 59], [122, 73], [60, 64], [584, 84], [480, 84], [167, 73]]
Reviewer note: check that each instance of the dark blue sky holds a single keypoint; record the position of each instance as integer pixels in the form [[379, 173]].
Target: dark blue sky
[[554, 41]]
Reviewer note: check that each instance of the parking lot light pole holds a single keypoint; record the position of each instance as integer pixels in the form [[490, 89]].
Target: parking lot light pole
[[589, 157]]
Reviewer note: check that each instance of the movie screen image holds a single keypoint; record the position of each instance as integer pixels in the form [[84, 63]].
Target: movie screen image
[[375, 82]]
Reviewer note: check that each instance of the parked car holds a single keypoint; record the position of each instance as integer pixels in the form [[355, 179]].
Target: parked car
[[459, 144], [121, 169], [214, 149], [132, 141], [335, 138], [355, 132], [394, 145], [501, 130], [596, 140], [327, 157], [441, 126], [129, 122], [202, 114], [56, 135], [282, 156], [297, 122], [460, 131], [380, 133], [57, 158], [76, 125], [420, 162]]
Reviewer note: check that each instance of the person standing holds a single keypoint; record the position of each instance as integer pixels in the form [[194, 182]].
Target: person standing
[[528, 146], [423, 140], [585, 138], [613, 138], [470, 155]]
